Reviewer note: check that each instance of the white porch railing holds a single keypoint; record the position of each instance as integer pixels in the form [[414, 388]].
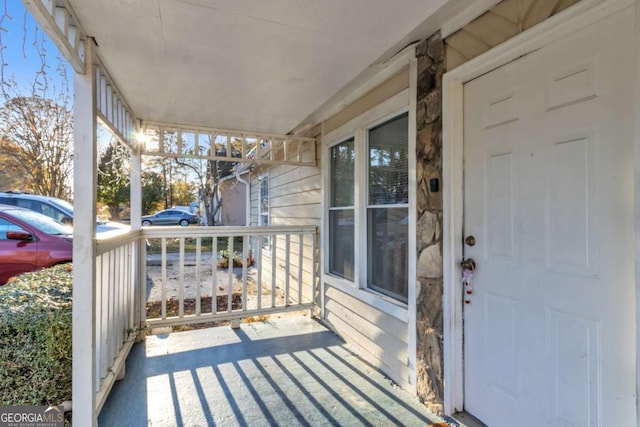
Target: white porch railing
[[117, 312], [180, 271], [188, 282]]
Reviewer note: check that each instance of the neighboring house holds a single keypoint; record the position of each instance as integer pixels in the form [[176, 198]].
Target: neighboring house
[[233, 197], [508, 135]]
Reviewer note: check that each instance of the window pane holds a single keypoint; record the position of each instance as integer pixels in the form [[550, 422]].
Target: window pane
[[387, 251], [388, 162], [341, 243], [7, 226], [342, 158], [263, 209], [264, 197]]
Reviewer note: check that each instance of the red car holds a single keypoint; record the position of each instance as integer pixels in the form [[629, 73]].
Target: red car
[[30, 241]]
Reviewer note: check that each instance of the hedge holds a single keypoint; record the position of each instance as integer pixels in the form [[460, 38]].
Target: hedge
[[35, 338]]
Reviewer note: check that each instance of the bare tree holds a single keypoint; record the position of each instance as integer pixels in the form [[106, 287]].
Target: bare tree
[[36, 124], [9, 172], [41, 131], [208, 182]]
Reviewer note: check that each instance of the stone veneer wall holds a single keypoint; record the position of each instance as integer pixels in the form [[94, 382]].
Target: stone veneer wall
[[431, 66]]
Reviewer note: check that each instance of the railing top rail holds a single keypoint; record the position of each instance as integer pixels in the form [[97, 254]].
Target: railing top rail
[[112, 239], [173, 231]]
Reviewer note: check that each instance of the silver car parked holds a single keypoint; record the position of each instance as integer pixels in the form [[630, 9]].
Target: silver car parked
[[171, 217]]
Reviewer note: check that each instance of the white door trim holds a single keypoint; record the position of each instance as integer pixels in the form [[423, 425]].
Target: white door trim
[[573, 19], [636, 165]]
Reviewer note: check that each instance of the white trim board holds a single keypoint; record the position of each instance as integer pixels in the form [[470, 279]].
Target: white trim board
[[564, 23], [636, 166], [478, 8], [412, 333]]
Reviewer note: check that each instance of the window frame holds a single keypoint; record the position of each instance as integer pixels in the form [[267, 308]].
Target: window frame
[[358, 128], [265, 242], [366, 205], [353, 207], [6, 226]]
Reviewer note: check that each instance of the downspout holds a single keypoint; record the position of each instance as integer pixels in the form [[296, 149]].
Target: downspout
[[247, 205]]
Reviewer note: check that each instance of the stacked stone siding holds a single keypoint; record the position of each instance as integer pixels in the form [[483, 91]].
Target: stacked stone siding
[[431, 66]]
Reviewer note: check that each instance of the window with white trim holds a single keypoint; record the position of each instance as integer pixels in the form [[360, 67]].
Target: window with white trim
[[263, 206], [341, 210], [388, 207], [379, 208]]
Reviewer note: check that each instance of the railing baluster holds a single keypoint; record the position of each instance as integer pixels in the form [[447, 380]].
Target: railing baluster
[[258, 258], [287, 263], [300, 265], [214, 274], [313, 274], [181, 280], [230, 269], [131, 297], [274, 239], [245, 261], [104, 329], [118, 302], [141, 280], [99, 303], [110, 308], [198, 259], [163, 289]]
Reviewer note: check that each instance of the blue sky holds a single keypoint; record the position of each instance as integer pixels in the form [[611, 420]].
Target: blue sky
[[24, 42]]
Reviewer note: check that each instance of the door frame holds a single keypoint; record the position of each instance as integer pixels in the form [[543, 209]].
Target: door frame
[[581, 15]]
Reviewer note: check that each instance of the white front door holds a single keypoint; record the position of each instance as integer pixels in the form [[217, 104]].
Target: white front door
[[548, 154]]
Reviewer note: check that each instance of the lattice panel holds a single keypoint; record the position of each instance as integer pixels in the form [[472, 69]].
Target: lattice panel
[[167, 140]]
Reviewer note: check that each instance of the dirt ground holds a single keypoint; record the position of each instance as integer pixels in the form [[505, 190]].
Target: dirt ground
[[209, 286]]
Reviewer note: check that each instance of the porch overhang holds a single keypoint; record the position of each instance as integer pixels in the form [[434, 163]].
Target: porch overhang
[[252, 67]]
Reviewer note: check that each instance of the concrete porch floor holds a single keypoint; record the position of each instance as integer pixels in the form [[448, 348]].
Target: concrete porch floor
[[289, 371]]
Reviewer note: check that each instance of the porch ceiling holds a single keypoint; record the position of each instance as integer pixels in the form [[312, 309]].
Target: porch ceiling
[[248, 64]]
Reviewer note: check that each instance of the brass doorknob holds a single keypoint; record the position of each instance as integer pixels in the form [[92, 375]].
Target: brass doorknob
[[468, 264]]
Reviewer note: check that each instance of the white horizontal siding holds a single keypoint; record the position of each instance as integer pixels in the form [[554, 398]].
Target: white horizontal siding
[[379, 338]]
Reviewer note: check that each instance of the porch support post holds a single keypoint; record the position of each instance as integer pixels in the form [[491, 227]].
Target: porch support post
[[136, 223], [136, 189], [85, 383], [636, 203]]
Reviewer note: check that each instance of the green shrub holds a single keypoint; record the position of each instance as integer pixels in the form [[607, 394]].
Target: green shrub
[[224, 261], [35, 338], [237, 259]]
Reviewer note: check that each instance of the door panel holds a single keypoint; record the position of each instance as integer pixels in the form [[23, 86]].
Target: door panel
[[548, 152]]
